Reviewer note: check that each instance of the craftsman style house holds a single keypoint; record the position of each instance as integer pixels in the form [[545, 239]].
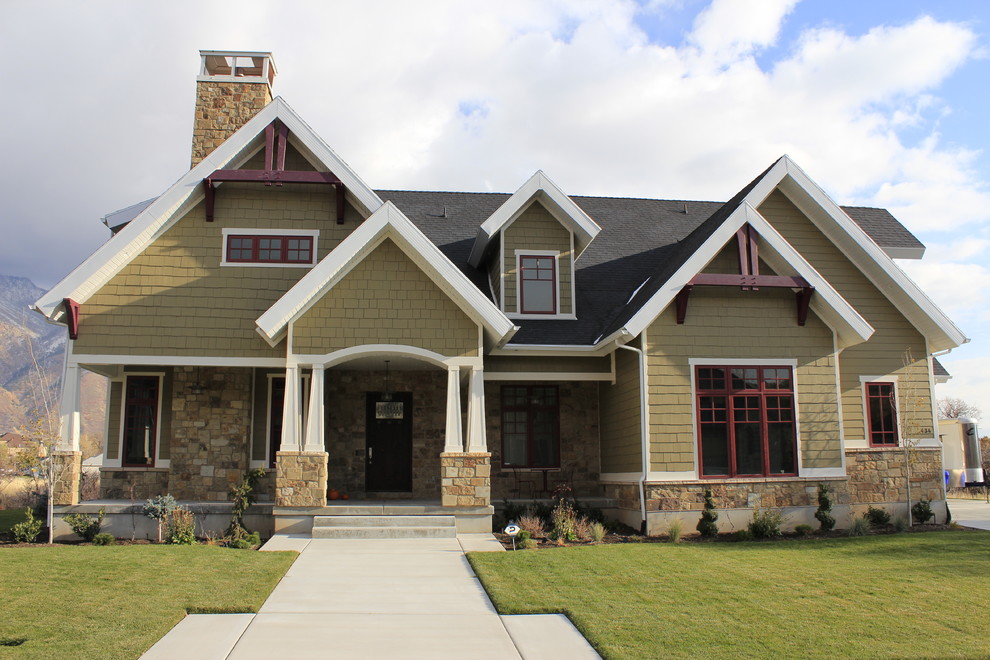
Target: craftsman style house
[[272, 310]]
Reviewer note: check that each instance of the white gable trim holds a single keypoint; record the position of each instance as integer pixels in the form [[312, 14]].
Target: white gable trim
[[540, 188], [831, 307], [861, 250], [387, 222], [182, 196]]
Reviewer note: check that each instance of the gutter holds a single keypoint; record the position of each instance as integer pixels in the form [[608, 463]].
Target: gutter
[[644, 428]]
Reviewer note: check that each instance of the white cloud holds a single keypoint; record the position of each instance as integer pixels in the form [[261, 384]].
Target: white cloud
[[970, 382]]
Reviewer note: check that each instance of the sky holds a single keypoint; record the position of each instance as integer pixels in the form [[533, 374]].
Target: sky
[[883, 103]]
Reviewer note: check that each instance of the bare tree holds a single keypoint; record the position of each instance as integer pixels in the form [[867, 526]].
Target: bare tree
[[953, 408]]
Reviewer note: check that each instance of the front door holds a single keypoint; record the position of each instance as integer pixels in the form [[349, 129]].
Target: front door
[[388, 457]]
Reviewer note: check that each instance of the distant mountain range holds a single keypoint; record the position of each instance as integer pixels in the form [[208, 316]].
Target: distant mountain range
[[32, 353]]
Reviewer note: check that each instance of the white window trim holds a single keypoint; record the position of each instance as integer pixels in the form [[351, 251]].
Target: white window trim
[[519, 314], [748, 362], [313, 233], [303, 415], [159, 461], [863, 380]]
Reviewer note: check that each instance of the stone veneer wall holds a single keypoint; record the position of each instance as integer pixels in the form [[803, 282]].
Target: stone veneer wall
[[66, 490], [221, 109], [346, 422], [136, 484], [211, 427], [579, 440], [880, 475], [300, 478], [466, 479]]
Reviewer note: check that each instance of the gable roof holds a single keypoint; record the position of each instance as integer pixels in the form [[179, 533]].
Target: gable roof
[[184, 194], [387, 222], [538, 187]]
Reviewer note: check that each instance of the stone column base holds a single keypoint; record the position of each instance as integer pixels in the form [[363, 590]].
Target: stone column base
[[67, 475], [465, 478], [301, 478]]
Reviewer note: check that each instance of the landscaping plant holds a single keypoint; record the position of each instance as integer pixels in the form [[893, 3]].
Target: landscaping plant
[[804, 530], [27, 531], [675, 529], [824, 512], [860, 527], [707, 526], [922, 511], [242, 495], [104, 539], [597, 532], [563, 521], [158, 508], [766, 523], [877, 517], [85, 526], [180, 527]]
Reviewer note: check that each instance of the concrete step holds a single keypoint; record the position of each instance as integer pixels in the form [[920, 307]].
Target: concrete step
[[383, 521], [384, 532]]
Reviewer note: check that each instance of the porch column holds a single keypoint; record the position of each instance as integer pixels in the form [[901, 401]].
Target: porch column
[[477, 442], [454, 442], [290, 411], [69, 415], [315, 418]]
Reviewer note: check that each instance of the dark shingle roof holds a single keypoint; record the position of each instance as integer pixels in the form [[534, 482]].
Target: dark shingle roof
[[938, 369], [642, 243]]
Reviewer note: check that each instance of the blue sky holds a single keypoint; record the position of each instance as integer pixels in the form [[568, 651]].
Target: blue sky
[[882, 102]]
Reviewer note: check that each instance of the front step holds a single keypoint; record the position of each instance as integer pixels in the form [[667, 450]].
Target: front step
[[383, 527]]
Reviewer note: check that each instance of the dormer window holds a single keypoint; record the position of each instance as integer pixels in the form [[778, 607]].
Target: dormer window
[[248, 247], [537, 283]]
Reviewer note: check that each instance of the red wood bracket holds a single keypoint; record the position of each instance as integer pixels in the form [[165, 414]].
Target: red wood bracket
[[72, 317]]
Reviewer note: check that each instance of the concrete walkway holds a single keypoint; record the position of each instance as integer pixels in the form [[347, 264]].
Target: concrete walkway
[[970, 513], [415, 598]]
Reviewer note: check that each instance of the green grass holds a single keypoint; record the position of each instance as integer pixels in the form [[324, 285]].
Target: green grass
[[115, 602], [906, 595], [9, 518]]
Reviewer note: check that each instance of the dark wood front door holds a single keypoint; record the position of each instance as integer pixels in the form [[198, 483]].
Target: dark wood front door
[[388, 456]]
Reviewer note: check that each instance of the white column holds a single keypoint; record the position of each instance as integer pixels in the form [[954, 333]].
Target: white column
[[477, 442], [454, 442], [315, 417], [290, 410], [69, 416]]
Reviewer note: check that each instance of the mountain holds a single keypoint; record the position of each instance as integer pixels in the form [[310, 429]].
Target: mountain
[[32, 354]]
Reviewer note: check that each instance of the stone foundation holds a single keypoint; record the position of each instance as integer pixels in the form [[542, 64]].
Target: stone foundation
[[68, 472], [136, 484], [465, 479], [880, 475], [300, 478]]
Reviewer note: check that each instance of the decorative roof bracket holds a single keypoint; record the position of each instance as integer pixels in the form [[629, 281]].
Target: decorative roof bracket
[[72, 317]]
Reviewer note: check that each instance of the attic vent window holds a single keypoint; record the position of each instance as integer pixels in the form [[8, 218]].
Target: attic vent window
[[276, 248]]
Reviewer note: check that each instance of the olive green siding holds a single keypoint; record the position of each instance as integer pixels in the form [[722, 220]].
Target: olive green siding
[[386, 299], [886, 352], [620, 416], [176, 299], [112, 444], [537, 229], [726, 323], [548, 364]]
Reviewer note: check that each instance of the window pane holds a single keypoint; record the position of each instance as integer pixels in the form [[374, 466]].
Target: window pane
[[715, 450], [745, 379], [544, 439], [140, 420], [780, 443], [749, 449], [711, 378], [538, 296]]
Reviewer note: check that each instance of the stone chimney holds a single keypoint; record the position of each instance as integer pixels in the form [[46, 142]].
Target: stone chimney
[[231, 88]]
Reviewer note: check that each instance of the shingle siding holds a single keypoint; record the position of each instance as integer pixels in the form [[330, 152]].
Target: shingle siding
[[537, 229]]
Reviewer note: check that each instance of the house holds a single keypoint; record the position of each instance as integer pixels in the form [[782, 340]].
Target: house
[[272, 310]]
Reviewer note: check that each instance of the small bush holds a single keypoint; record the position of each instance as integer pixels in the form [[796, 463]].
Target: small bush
[[877, 517], [743, 535], [675, 529], [860, 527], [532, 524], [85, 526], [766, 523], [707, 526], [562, 521], [27, 531], [922, 511], [240, 544], [180, 527], [104, 539], [527, 544], [597, 531], [804, 530], [900, 524], [824, 512], [158, 508], [635, 538]]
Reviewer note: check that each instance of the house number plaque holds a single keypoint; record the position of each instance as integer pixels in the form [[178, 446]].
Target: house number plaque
[[388, 410]]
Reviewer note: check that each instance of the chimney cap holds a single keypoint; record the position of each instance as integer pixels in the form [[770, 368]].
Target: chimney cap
[[237, 66]]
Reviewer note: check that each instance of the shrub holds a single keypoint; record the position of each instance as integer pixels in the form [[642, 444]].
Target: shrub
[[743, 535], [804, 530], [104, 539], [158, 508], [900, 524], [524, 541], [85, 526], [180, 527], [597, 532], [707, 526], [582, 529], [562, 522], [27, 531], [877, 517], [860, 527], [824, 512], [532, 524], [922, 511], [242, 495], [766, 523], [675, 529]]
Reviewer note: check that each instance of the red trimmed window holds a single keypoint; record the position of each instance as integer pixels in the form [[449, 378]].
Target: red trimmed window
[[530, 426], [746, 424], [882, 410], [251, 249], [537, 284], [140, 421]]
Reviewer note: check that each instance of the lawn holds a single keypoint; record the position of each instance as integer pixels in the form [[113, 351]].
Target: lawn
[[115, 602], [905, 595], [9, 518]]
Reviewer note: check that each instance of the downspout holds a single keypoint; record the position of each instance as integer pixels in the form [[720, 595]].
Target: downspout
[[644, 432]]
